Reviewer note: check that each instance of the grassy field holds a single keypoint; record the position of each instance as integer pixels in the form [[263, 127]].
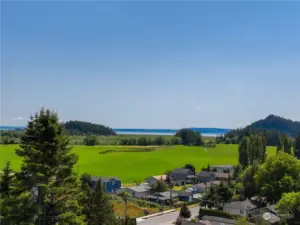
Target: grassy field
[[131, 163]]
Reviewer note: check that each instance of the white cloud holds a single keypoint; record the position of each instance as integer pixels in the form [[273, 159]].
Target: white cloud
[[203, 110], [18, 118]]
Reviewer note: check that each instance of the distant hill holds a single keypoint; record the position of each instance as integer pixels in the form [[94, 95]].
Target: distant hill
[[276, 123], [80, 127], [272, 126]]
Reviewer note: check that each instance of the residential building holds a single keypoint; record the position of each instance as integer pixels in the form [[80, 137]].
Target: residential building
[[138, 191], [222, 176], [205, 176], [202, 187], [223, 168], [185, 196], [180, 176], [153, 180], [110, 184], [242, 208], [162, 198], [256, 215], [218, 220]]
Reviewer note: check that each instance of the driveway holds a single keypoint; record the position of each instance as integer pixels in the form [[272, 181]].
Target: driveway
[[167, 219]]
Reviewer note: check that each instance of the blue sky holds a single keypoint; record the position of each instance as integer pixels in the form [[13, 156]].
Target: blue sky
[[151, 64]]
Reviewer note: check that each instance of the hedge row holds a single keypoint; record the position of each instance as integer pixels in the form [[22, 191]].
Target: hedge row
[[212, 212]]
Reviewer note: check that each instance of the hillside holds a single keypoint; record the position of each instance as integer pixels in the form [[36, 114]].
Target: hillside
[[272, 126], [276, 123], [79, 127]]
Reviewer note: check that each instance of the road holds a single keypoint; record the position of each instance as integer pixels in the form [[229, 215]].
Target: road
[[167, 219]]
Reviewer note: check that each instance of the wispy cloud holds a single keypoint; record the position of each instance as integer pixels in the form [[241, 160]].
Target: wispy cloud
[[203, 110], [18, 118]]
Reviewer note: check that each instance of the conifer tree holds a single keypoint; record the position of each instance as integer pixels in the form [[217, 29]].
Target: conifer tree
[[101, 210], [46, 176], [6, 181], [185, 212]]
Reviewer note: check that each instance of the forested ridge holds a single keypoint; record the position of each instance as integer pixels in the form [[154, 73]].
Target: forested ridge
[[272, 127], [81, 127]]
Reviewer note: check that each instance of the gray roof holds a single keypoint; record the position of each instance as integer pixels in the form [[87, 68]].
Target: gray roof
[[140, 188], [217, 220], [205, 174], [181, 170], [272, 209], [200, 186], [162, 195], [240, 205], [166, 194]]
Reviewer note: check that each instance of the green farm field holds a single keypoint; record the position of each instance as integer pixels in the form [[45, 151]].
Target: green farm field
[[134, 163]]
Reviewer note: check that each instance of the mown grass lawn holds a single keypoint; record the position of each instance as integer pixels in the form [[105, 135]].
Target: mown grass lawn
[[136, 166]]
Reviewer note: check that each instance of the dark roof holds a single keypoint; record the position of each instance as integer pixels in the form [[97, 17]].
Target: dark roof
[[205, 174], [162, 195], [184, 193], [104, 179], [240, 205], [181, 170], [218, 219]]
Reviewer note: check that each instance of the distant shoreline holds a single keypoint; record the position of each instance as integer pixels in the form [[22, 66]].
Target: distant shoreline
[[210, 132]]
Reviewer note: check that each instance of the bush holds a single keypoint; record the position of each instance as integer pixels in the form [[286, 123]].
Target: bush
[[217, 213]]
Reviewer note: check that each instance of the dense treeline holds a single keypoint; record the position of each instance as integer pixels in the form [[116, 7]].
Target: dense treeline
[[10, 137], [145, 141], [189, 137], [252, 148], [46, 191], [79, 127]]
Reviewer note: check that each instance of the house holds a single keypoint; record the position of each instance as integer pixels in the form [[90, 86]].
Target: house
[[139, 191], [153, 180], [110, 184], [200, 222], [256, 215], [202, 187], [218, 220], [205, 176], [162, 198], [223, 169], [180, 176], [198, 188], [242, 208], [185, 196], [222, 176]]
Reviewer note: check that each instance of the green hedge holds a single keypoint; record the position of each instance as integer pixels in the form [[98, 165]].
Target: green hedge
[[212, 212]]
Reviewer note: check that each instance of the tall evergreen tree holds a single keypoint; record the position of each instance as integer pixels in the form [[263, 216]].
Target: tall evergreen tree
[[185, 212], [6, 181], [46, 173], [297, 147], [287, 145], [279, 143], [244, 149], [100, 209]]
